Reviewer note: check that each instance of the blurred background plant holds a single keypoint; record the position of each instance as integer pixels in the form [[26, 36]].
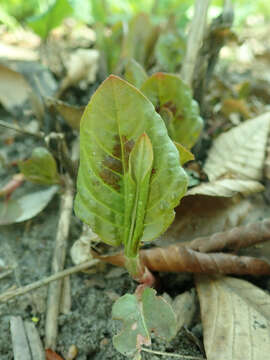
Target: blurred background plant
[[109, 12]]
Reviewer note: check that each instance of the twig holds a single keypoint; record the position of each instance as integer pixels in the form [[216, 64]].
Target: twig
[[34, 341], [39, 134], [19, 339], [195, 38], [5, 274], [10, 294], [172, 354], [55, 288]]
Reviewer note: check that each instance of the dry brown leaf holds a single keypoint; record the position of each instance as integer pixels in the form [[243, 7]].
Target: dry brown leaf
[[236, 319], [184, 306], [235, 238], [200, 215], [180, 258], [227, 188], [71, 114], [240, 152]]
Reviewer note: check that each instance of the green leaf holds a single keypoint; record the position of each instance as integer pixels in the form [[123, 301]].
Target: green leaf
[[25, 207], [135, 73], [184, 153], [170, 50], [137, 184], [109, 46], [140, 39], [41, 168], [140, 317], [110, 179], [44, 23], [173, 100]]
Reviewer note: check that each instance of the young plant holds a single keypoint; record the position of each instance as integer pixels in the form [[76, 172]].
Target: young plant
[[130, 179]]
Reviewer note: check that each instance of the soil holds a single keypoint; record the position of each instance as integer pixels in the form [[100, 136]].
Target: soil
[[89, 326]]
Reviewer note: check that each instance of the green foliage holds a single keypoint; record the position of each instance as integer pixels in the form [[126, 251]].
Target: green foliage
[[173, 100], [135, 73], [41, 168], [113, 182], [110, 46], [170, 50], [140, 40], [140, 317], [56, 13]]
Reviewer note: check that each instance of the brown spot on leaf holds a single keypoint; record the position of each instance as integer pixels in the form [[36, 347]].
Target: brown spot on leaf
[[113, 164], [171, 106], [110, 178], [128, 145]]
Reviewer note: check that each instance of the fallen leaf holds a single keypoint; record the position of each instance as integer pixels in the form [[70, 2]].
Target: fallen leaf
[[227, 188], [236, 318], [14, 89], [82, 66], [26, 206], [200, 215], [184, 307], [71, 114], [240, 152], [51, 355]]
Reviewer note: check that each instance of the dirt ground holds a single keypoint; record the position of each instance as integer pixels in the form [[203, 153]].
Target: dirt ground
[[89, 326]]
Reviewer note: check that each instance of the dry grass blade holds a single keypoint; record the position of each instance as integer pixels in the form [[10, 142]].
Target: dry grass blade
[[238, 237], [240, 152], [236, 318]]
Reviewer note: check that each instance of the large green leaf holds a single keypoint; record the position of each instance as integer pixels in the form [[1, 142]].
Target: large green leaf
[[118, 182], [173, 100], [44, 23]]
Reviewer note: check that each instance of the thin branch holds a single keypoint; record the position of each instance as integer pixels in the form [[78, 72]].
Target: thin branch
[[10, 294], [195, 39], [172, 354], [39, 134], [59, 256]]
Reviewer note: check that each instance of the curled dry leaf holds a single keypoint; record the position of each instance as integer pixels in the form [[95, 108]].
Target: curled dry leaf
[[227, 188], [179, 258], [236, 318], [237, 237], [240, 152]]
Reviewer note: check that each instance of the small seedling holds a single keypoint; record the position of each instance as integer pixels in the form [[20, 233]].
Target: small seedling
[[130, 180]]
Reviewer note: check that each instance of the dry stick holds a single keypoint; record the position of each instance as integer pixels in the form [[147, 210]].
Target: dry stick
[[10, 294], [39, 134], [172, 354], [19, 339], [195, 39], [55, 288]]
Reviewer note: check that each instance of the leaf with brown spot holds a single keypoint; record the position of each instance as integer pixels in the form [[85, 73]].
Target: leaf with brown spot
[[173, 99], [121, 135]]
